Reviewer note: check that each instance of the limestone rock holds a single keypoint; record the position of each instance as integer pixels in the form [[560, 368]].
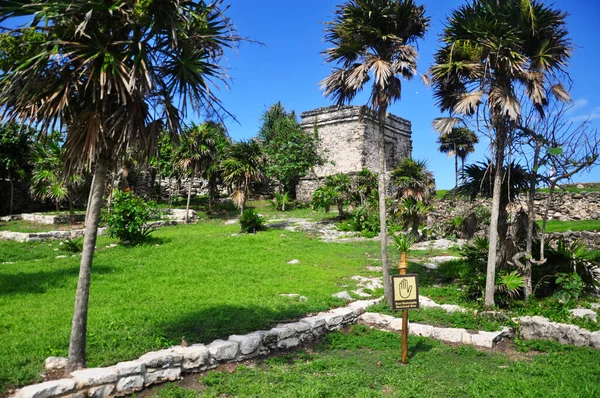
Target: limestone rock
[[450, 335], [95, 376], [286, 344], [249, 343], [154, 376], [101, 391], [584, 313], [223, 350], [130, 368], [48, 389], [129, 384], [418, 329], [295, 261], [160, 359], [195, 357], [375, 319], [55, 363], [343, 295], [595, 340]]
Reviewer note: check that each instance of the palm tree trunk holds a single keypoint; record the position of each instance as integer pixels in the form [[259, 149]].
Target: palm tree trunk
[[387, 283], [490, 282], [187, 206], [87, 209], [455, 167], [77, 343], [12, 195]]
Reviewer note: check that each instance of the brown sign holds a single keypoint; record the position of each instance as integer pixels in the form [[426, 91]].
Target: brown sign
[[406, 291]]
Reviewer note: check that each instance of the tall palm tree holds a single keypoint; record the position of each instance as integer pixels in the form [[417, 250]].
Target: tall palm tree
[[195, 153], [111, 74], [459, 142], [372, 40], [242, 167], [492, 53]]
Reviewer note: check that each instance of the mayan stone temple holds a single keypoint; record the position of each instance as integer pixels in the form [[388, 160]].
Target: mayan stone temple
[[350, 138]]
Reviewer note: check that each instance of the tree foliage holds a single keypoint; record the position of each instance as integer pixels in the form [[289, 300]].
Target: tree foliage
[[290, 151]]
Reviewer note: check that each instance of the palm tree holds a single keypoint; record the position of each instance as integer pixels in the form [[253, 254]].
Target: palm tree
[[415, 186], [195, 153], [213, 172], [493, 52], [459, 142], [111, 74], [372, 39], [242, 167], [47, 179]]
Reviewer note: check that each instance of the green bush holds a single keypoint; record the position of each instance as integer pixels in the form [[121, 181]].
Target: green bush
[[251, 221], [128, 218], [570, 287]]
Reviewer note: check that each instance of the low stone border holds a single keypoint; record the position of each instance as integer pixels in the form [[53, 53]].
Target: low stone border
[[25, 237], [537, 327], [449, 335], [49, 219], [169, 364]]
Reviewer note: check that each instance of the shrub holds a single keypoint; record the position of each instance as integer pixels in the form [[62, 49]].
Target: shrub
[[72, 245], [251, 221], [129, 216], [282, 201], [570, 287]]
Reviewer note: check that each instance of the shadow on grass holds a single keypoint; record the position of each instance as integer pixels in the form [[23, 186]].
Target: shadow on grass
[[41, 282], [221, 321]]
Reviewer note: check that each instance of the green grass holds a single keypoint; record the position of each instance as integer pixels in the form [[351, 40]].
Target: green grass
[[197, 280], [579, 225], [365, 363], [440, 193], [569, 189]]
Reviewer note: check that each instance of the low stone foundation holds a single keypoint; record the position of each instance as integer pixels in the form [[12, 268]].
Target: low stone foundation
[[125, 378], [537, 327]]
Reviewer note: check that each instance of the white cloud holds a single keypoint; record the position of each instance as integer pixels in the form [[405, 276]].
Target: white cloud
[[579, 104], [595, 114]]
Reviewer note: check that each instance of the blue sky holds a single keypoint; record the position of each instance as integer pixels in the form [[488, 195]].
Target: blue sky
[[289, 67]]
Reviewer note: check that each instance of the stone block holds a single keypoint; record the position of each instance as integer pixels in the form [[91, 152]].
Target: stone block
[[155, 376], [101, 391], [46, 390], [585, 314], [249, 344], [375, 319], [194, 358], [314, 321], [417, 329], [283, 332], [467, 338], [130, 368], [449, 335], [268, 337], [346, 313], [53, 363], [485, 339], [129, 384], [224, 351], [299, 327], [95, 376], [595, 340], [396, 324], [451, 308], [333, 321], [161, 359], [287, 344]]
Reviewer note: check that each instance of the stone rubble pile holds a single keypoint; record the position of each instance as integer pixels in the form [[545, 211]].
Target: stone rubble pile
[[169, 364]]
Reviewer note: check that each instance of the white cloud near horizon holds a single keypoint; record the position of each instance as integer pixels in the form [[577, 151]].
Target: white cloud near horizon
[[579, 104], [593, 115]]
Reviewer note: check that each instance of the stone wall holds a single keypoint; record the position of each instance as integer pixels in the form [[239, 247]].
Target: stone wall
[[125, 378], [564, 206], [350, 141]]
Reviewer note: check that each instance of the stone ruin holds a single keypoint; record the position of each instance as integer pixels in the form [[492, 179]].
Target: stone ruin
[[350, 141]]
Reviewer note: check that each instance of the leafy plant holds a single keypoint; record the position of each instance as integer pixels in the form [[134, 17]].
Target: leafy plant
[[337, 190], [404, 242], [282, 200], [72, 245], [365, 220], [251, 221], [128, 219], [570, 287]]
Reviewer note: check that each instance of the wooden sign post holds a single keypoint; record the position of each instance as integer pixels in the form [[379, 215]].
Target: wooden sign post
[[406, 296]]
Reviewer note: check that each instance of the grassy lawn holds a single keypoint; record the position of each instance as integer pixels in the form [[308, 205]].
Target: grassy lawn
[[197, 280], [365, 363], [563, 226], [569, 189]]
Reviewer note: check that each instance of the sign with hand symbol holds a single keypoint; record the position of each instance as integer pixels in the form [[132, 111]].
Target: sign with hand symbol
[[406, 291]]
